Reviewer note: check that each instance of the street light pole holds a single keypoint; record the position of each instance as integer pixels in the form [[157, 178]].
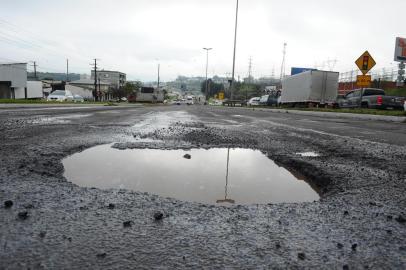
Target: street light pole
[[159, 67], [235, 45], [207, 66]]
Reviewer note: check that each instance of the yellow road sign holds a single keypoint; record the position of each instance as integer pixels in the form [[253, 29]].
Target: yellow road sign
[[364, 80], [365, 62], [221, 95]]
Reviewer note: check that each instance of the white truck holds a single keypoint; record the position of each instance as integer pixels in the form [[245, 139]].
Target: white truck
[[310, 87], [32, 91]]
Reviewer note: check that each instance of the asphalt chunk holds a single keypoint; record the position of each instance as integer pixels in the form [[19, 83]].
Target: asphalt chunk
[[23, 215], [400, 219], [111, 206], [158, 216], [8, 204], [127, 224], [101, 255]]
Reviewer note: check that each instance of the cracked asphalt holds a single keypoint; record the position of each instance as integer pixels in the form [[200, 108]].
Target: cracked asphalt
[[358, 223]]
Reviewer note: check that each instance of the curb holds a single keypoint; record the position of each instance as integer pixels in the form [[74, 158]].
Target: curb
[[385, 118]]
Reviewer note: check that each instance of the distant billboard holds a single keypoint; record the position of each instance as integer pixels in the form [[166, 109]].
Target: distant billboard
[[297, 70], [400, 49]]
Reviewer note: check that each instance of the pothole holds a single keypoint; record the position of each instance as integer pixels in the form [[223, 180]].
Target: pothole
[[214, 176]]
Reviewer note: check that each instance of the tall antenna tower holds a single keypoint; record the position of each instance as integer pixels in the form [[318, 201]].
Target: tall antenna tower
[[273, 72], [250, 70], [331, 63], [283, 61]]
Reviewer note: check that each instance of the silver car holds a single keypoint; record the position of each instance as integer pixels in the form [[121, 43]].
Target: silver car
[[61, 96], [78, 98]]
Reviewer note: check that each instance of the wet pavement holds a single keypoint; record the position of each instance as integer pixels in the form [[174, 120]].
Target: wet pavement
[[47, 222]]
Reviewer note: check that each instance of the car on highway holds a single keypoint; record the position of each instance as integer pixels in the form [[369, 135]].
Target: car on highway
[[180, 101], [253, 101], [189, 100], [371, 98], [78, 98], [61, 96]]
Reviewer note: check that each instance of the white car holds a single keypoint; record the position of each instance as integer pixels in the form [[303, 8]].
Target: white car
[[254, 101], [61, 96], [404, 105], [189, 101]]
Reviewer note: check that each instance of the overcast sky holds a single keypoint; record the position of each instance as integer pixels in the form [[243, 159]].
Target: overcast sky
[[133, 36]]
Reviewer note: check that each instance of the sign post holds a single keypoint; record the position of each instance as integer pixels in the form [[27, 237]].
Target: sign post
[[365, 63], [400, 56], [364, 80]]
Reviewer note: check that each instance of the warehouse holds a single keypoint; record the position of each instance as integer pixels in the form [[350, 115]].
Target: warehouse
[[13, 80]]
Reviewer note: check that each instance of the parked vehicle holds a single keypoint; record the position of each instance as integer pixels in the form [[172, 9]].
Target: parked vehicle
[[264, 100], [189, 100], [180, 101], [404, 105], [60, 95], [78, 98], [371, 98], [311, 87], [253, 101]]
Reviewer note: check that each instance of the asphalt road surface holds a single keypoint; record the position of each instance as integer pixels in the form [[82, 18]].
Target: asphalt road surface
[[360, 175]]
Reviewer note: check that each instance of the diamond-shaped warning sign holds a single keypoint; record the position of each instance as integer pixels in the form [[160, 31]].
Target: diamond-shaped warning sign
[[365, 62]]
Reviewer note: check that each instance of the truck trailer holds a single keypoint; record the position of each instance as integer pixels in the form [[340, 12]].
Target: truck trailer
[[311, 87]]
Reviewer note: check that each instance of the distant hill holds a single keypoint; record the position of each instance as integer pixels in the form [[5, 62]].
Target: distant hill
[[54, 76]]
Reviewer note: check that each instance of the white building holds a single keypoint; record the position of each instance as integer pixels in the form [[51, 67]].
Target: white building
[[13, 80], [116, 79]]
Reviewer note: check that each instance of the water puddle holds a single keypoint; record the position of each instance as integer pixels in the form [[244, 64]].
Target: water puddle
[[65, 119], [214, 176], [308, 154]]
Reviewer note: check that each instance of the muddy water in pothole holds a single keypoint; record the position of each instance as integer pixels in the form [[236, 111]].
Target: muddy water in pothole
[[214, 176]]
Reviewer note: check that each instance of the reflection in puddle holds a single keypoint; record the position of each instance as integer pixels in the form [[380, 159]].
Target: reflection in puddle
[[217, 175]]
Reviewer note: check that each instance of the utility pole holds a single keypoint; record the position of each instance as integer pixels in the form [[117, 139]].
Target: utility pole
[[235, 45], [67, 70], [283, 62], [99, 85], [159, 67], [95, 80], [35, 69], [207, 67]]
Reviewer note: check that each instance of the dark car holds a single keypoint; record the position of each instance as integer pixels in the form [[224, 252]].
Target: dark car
[[370, 98], [271, 99]]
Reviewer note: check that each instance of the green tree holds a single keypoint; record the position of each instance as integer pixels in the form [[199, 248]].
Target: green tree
[[213, 88], [131, 88]]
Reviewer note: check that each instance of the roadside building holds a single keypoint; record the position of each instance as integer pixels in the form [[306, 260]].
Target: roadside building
[[116, 79], [86, 93], [150, 94], [86, 86], [13, 80]]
